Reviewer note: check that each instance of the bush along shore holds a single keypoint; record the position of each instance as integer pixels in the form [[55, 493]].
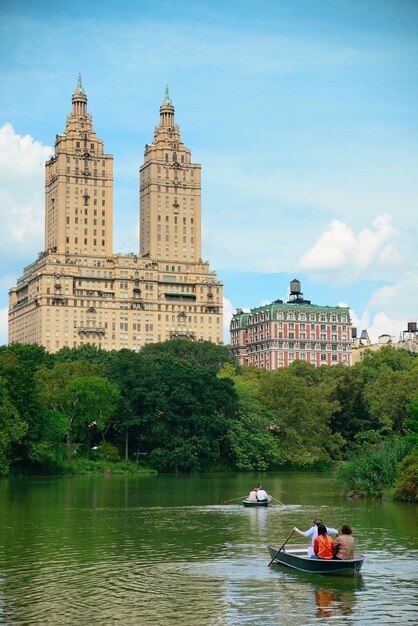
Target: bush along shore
[[187, 407]]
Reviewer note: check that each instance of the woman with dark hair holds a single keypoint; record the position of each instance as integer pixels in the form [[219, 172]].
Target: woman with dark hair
[[323, 544], [344, 544]]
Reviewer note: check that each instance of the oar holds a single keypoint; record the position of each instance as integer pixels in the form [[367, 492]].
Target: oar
[[278, 501], [281, 548], [233, 500]]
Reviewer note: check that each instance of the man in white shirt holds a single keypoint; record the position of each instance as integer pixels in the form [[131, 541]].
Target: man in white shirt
[[261, 494], [313, 533]]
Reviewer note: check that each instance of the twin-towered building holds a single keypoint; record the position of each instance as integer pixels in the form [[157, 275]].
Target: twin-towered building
[[277, 334], [78, 291]]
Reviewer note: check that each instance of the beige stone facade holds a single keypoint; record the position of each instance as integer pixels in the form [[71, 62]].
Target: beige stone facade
[[277, 334], [78, 291], [408, 340]]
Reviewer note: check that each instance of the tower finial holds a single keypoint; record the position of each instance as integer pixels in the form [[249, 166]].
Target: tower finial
[[167, 96], [79, 88]]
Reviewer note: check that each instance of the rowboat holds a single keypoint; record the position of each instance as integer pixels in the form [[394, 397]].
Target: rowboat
[[247, 502], [296, 556]]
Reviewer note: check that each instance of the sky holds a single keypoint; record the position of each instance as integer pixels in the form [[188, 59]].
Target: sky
[[302, 113]]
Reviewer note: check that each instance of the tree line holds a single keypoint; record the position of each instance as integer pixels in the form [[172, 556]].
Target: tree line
[[180, 406]]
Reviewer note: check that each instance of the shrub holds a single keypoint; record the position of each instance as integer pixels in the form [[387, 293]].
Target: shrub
[[375, 472], [106, 452], [406, 487]]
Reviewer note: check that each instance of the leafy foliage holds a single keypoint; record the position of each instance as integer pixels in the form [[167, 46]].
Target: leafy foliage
[[302, 409], [186, 407], [12, 428], [183, 409], [252, 445], [406, 486], [374, 472]]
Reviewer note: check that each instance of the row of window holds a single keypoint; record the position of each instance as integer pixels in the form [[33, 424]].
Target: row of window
[[301, 316]]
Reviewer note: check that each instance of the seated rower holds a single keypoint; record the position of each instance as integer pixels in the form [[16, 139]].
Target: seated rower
[[261, 494], [253, 496], [312, 533]]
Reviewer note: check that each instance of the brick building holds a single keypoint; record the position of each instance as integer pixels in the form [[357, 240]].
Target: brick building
[[277, 334]]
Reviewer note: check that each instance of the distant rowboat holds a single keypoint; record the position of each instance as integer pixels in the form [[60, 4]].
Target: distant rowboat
[[296, 556], [249, 503]]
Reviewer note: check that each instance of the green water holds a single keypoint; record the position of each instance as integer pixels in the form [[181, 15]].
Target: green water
[[161, 550]]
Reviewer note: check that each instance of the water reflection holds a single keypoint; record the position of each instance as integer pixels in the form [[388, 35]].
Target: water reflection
[[332, 600], [258, 519]]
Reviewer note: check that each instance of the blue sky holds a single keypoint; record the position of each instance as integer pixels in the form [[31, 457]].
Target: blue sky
[[303, 114]]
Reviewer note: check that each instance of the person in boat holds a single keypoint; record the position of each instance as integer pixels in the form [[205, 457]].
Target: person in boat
[[261, 494], [252, 497], [344, 544], [312, 533], [323, 545]]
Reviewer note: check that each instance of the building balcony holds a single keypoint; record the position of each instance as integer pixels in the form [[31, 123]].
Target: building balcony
[[87, 331], [170, 295], [211, 308], [182, 334]]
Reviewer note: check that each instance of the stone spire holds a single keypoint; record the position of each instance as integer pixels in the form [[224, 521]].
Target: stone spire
[[167, 99], [79, 100], [167, 111], [79, 88]]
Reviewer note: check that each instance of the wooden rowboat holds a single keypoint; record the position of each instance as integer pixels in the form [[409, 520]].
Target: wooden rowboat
[[296, 556], [247, 502]]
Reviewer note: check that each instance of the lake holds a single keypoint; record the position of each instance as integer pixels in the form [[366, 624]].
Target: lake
[[162, 550]]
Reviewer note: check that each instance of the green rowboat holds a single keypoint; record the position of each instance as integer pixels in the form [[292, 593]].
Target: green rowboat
[[296, 557]]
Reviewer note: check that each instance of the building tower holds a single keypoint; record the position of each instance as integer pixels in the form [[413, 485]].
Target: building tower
[[79, 188], [78, 291], [170, 192]]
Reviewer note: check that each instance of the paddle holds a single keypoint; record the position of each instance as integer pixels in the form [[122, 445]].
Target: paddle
[[233, 500], [278, 501], [281, 548]]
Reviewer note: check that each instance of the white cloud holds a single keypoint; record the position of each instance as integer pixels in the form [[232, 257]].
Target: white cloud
[[384, 325], [399, 299], [228, 312], [22, 163], [341, 255], [3, 326], [390, 308]]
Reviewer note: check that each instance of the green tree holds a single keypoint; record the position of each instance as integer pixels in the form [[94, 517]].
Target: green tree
[[18, 367], [406, 486], [88, 403], [411, 423], [388, 397], [52, 384], [351, 415], [252, 445], [125, 370], [86, 353], [184, 410], [205, 353], [302, 415], [12, 427]]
